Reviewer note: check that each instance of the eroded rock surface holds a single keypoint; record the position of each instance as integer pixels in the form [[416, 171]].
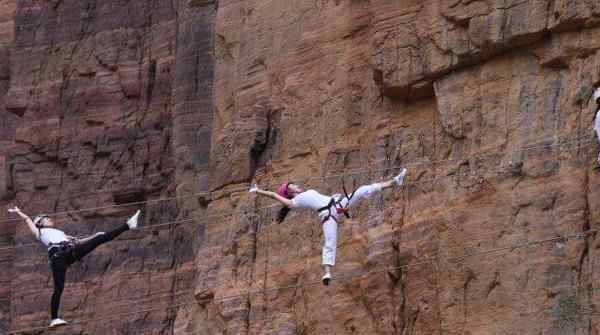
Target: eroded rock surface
[[8, 125], [485, 101], [487, 104], [109, 110]]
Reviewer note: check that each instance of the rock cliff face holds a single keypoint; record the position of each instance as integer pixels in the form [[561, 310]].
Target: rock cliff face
[[112, 101], [486, 103], [8, 124]]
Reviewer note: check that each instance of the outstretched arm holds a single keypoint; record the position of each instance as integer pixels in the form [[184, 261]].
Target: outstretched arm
[[285, 201], [27, 219]]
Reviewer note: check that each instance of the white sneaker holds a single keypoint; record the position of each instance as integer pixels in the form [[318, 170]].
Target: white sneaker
[[399, 179], [326, 279], [133, 221], [57, 322], [253, 188]]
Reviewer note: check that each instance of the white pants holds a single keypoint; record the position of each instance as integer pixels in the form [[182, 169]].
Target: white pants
[[597, 129], [330, 226]]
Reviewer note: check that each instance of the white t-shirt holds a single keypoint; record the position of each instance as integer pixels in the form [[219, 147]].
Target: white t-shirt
[[310, 199], [597, 125], [51, 235]]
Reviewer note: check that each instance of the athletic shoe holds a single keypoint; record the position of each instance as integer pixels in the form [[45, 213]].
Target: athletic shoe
[[326, 279], [57, 322], [253, 189], [133, 221], [399, 179]]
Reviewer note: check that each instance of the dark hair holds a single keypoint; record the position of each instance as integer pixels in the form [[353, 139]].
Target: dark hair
[[287, 188], [38, 220], [283, 212]]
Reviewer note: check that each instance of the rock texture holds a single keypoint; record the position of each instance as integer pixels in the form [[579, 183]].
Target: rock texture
[[8, 125], [485, 101], [109, 98]]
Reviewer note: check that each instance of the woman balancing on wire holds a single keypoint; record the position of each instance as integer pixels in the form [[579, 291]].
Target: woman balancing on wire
[[329, 208], [597, 118], [64, 250]]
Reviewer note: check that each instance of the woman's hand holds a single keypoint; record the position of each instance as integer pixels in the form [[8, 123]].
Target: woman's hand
[[15, 209], [34, 230], [273, 195]]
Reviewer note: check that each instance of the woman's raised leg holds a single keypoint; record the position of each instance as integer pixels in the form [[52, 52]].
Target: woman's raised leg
[[82, 249], [367, 191]]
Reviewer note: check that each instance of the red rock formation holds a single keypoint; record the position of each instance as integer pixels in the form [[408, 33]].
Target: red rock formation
[[8, 124], [473, 95], [486, 101], [114, 106]]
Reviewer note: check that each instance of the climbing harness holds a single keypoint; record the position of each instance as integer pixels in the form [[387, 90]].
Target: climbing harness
[[56, 251], [337, 205], [61, 250]]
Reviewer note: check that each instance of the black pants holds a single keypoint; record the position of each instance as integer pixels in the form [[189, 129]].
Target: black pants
[[61, 259]]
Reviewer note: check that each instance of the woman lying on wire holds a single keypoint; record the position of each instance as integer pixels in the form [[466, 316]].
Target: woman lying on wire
[[64, 250], [329, 208]]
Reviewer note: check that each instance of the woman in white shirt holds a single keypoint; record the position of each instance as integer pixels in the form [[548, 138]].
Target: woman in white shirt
[[64, 250], [329, 208], [597, 117]]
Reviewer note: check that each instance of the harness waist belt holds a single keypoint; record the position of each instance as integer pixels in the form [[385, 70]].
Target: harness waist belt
[[331, 203], [61, 245], [339, 209]]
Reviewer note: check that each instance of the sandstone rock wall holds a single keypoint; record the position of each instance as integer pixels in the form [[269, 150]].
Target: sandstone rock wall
[[8, 124], [110, 97], [485, 101]]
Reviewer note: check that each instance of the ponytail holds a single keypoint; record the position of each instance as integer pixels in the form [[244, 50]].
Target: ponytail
[[283, 212]]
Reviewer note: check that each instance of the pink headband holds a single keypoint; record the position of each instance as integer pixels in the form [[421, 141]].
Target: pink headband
[[283, 190]]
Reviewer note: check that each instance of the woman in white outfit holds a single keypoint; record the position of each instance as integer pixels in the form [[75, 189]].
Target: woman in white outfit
[[329, 208], [597, 117]]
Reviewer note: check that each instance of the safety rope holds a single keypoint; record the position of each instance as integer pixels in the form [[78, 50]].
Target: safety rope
[[237, 132], [428, 260], [355, 171], [576, 141], [230, 213]]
